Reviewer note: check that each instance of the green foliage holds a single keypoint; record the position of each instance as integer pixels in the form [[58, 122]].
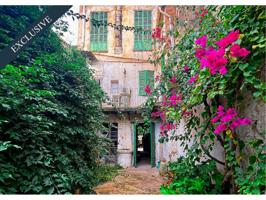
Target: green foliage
[[252, 180], [186, 178], [50, 114], [244, 76]]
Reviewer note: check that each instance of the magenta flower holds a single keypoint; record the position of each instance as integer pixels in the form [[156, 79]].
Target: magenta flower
[[220, 128], [220, 108], [229, 114], [148, 89], [229, 39], [223, 70], [215, 61], [175, 99], [155, 114], [162, 128], [204, 63], [186, 68], [237, 51], [240, 121], [215, 119], [193, 79], [173, 80], [157, 77], [202, 41], [227, 119], [170, 126], [163, 116], [200, 53]]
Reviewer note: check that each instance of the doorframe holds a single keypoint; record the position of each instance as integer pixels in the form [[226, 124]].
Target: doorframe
[[152, 144], [134, 144]]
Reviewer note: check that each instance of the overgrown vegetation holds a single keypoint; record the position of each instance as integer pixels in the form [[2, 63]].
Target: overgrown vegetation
[[186, 178], [208, 75], [50, 114]]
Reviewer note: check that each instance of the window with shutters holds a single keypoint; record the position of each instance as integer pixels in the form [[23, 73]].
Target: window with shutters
[[146, 77], [143, 20], [98, 33]]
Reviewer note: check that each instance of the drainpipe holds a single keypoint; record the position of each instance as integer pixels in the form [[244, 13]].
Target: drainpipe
[[170, 25]]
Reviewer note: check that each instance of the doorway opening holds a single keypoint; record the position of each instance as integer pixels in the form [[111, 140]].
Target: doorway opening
[[143, 145]]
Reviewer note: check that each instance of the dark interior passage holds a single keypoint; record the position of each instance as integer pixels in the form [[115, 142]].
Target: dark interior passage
[[143, 145]]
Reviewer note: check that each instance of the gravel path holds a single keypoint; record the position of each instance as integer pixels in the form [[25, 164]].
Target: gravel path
[[141, 180]]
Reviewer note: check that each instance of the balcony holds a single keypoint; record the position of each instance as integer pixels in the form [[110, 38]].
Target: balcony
[[123, 99]]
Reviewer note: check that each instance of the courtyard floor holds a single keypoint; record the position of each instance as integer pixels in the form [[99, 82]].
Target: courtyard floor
[[140, 180]]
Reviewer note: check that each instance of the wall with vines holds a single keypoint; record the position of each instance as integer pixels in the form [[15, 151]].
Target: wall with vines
[[219, 66]]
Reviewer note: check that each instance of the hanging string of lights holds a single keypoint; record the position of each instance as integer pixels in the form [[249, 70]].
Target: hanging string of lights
[[103, 23]]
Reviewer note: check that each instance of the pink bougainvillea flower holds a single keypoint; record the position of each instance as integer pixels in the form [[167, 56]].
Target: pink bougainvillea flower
[[186, 68], [215, 61], [170, 126], [239, 122], [237, 51], [202, 41], [204, 63], [193, 79], [223, 70], [228, 120], [200, 53], [220, 108], [155, 114], [148, 89], [156, 34], [175, 99], [229, 114], [220, 128], [215, 119], [162, 128], [163, 116], [229, 39], [157, 77], [173, 80]]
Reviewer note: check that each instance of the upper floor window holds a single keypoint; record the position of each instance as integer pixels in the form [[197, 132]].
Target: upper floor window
[[146, 77], [143, 20], [98, 34], [114, 86]]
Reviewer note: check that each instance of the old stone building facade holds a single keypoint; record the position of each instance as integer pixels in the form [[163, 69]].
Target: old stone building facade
[[122, 69]]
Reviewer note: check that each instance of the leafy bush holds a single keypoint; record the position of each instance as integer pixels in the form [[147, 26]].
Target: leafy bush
[[185, 178], [50, 114]]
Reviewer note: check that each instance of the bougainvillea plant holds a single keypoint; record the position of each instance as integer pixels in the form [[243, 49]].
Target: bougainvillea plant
[[215, 64]]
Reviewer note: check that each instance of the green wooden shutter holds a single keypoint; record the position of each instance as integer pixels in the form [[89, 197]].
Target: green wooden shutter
[[150, 79], [143, 20], [98, 34], [142, 83], [146, 77]]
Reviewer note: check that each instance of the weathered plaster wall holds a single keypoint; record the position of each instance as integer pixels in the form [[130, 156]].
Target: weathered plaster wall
[[171, 150], [127, 36], [126, 73]]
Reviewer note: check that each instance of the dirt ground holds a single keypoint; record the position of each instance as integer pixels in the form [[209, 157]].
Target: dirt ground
[[141, 180]]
